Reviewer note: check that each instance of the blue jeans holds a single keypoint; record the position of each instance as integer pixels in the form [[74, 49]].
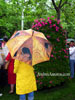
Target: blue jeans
[[72, 62], [30, 96]]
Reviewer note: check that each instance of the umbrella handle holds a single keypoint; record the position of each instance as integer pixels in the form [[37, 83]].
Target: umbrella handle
[[32, 32]]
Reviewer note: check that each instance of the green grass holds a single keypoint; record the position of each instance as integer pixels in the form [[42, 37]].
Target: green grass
[[64, 92]]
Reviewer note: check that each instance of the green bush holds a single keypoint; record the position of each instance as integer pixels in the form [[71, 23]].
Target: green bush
[[59, 63]]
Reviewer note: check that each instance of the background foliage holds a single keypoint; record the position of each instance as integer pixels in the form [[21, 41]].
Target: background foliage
[[11, 14]]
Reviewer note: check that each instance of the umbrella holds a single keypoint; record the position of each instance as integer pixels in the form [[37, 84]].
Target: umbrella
[[29, 46]]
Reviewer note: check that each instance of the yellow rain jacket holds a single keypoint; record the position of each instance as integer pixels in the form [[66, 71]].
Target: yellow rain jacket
[[25, 78]]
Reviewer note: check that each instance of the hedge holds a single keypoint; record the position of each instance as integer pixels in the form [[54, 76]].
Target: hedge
[[55, 71]]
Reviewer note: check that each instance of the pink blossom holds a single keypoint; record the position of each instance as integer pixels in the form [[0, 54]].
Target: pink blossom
[[52, 16], [37, 28], [52, 55], [40, 83], [50, 26], [36, 21], [58, 21], [65, 31], [42, 22], [50, 82], [67, 48], [39, 24], [48, 18], [66, 56], [33, 26], [63, 34], [48, 36], [55, 19], [54, 25], [65, 40], [57, 28], [65, 43], [45, 23], [42, 19], [50, 21], [61, 26], [36, 25], [32, 23], [58, 39], [65, 51], [58, 56]]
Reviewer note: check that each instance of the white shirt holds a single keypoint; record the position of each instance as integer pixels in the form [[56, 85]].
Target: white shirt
[[1, 59], [5, 50], [72, 53]]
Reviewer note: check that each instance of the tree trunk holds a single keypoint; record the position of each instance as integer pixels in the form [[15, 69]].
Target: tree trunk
[[58, 14], [58, 8]]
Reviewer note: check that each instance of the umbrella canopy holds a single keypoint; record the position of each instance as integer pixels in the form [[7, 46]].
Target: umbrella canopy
[[29, 46]]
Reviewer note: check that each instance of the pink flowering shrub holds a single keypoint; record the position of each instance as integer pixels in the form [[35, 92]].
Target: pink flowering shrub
[[59, 62]]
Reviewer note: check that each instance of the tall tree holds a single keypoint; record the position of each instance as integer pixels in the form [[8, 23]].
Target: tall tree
[[59, 6]]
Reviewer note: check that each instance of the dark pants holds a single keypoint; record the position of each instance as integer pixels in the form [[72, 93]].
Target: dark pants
[[3, 77], [72, 64]]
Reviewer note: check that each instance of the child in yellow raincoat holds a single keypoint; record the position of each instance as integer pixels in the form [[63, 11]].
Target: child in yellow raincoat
[[25, 80]]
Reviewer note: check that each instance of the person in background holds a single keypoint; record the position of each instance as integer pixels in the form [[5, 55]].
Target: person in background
[[1, 63], [11, 75], [1, 40], [25, 80], [4, 53], [4, 47], [72, 58]]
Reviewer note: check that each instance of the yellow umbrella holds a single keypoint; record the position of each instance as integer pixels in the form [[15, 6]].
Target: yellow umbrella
[[29, 46]]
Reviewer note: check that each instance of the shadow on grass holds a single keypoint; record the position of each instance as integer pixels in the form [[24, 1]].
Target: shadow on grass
[[65, 91]]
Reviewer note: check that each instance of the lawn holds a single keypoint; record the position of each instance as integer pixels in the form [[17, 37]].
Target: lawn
[[64, 92]]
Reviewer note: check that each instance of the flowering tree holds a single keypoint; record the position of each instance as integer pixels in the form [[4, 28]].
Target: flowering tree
[[58, 64]]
